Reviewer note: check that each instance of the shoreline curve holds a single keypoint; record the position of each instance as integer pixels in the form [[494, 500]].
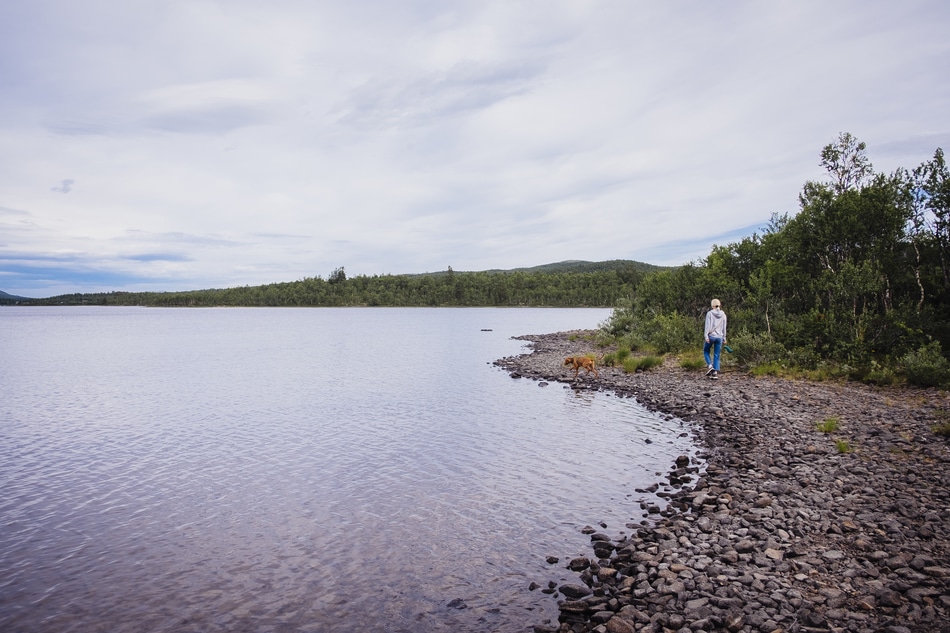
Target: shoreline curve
[[788, 528]]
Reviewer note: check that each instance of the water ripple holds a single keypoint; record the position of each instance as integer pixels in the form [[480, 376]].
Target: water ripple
[[212, 470]]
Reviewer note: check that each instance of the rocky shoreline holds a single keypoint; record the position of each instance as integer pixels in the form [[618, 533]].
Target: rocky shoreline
[[782, 527]]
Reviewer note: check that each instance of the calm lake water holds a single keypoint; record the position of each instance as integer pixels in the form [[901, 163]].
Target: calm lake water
[[340, 469]]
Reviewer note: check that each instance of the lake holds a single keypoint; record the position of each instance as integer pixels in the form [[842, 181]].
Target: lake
[[308, 469]]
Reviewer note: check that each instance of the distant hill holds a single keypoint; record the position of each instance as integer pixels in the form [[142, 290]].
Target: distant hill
[[581, 266], [4, 296], [575, 266]]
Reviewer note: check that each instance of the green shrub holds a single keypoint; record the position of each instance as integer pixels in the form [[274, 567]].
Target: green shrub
[[843, 446], [875, 374], [804, 358], [616, 357], [621, 321], [882, 376], [829, 425], [750, 350], [629, 342], [927, 366], [632, 341], [668, 333], [827, 371], [634, 364]]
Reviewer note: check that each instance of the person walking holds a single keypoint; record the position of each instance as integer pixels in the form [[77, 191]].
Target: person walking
[[715, 337]]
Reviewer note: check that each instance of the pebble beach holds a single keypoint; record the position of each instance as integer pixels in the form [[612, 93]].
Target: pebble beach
[[779, 524]]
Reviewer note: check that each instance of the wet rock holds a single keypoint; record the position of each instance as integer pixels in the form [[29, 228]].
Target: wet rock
[[579, 564], [574, 592]]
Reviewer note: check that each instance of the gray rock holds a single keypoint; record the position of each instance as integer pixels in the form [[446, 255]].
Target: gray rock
[[574, 592]]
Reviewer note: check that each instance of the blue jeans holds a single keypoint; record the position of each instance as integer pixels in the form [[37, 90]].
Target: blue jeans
[[716, 344]]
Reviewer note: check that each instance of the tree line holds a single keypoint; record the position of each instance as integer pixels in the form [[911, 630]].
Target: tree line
[[567, 288], [859, 277]]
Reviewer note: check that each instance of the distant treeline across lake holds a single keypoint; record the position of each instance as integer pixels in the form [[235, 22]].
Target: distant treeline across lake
[[570, 284]]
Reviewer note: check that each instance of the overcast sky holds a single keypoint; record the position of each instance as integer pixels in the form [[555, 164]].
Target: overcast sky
[[184, 144]]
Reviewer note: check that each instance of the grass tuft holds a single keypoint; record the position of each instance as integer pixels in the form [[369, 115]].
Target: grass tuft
[[692, 363], [692, 360], [843, 446], [829, 425], [617, 357], [634, 364], [768, 369]]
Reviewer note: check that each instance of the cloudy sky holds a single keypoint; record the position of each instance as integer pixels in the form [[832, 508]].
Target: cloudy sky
[[184, 144]]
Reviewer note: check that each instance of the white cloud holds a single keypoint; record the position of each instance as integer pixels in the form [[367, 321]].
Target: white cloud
[[228, 143]]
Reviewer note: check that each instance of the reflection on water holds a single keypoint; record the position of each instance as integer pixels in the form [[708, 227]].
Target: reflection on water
[[300, 470]]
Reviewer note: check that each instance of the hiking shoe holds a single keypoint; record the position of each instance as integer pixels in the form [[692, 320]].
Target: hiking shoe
[[709, 370], [715, 375]]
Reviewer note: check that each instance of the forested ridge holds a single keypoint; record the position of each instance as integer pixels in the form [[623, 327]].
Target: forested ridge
[[564, 284]]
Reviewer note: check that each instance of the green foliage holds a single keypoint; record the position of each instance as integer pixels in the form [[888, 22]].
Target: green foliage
[[846, 162], [843, 446], [804, 358], [622, 321], [664, 333], [943, 430], [927, 367], [590, 285], [671, 332], [617, 357], [825, 371], [750, 349], [875, 374], [632, 341], [858, 279], [769, 369], [692, 361], [829, 425], [634, 364]]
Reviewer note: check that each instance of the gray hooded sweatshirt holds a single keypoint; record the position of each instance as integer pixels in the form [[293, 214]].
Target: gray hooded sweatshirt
[[715, 324]]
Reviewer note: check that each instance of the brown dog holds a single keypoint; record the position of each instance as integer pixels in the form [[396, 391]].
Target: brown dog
[[578, 362]]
